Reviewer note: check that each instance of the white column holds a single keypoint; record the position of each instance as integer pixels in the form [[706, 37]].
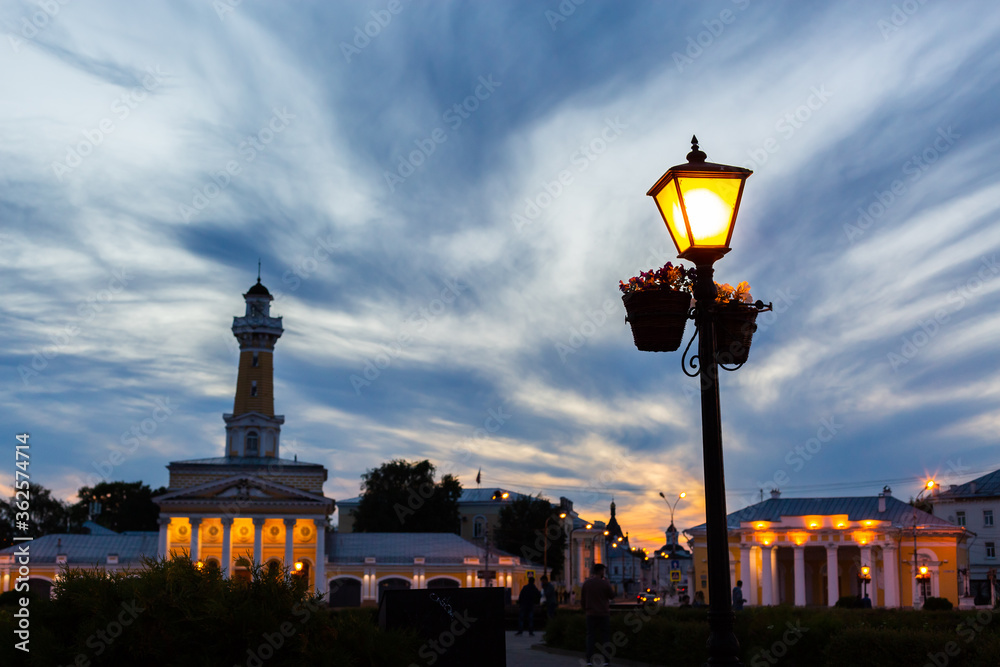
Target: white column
[[227, 546], [6, 579], [753, 583], [832, 575], [890, 562], [800, 575], [164, 544], [289, 543], [258, 539], [767, 589], [319, 581], [195, 551], [775, 590], [745, 564]]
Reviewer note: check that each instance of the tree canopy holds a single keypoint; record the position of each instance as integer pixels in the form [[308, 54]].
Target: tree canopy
[[124, 505], [521, 531], [402, 497], [46, 514]]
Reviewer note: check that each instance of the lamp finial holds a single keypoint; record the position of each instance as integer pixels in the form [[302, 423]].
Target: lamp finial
[[696, 155]]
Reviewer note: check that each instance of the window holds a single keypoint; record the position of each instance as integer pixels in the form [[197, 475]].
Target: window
[[987, 518], [991, 549], [960, 518], [253, 388], [479, 527], [255, 362], [252, 442], [924, 589]]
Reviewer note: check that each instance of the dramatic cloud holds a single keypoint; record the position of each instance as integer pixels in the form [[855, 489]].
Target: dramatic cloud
[[444, 197]]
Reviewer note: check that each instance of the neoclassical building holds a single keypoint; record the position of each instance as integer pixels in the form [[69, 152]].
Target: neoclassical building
[[810, 551], [249, 503]]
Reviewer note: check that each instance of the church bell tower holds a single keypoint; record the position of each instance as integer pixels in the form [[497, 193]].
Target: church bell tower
[[253, 430]]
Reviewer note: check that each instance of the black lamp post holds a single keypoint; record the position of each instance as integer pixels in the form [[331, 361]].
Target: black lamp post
[[699, 202]]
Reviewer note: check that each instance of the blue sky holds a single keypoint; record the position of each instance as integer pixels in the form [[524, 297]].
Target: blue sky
[[444, 197]]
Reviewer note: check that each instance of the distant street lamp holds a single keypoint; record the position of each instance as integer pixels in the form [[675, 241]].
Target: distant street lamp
[[545, 551], [864, 576], [683, 494], [929, 486], [699, 202]]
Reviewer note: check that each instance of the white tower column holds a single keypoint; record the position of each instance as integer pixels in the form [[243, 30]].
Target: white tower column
[[319, 586], [163, 547], [227, 547], [745, 565], [289, 543], [832, 575], [800, 575], [195, 550], [775, 590], [258, 539], [890, 563], [767, 589]]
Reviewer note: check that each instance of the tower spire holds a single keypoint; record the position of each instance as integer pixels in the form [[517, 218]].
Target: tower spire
[[258, 270]]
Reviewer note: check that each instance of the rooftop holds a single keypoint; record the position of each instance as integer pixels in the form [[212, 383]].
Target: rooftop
[[856, 508], [403, 548], [981, 487]]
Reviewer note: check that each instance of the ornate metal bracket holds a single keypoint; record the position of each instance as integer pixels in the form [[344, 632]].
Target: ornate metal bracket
[[694, 362]]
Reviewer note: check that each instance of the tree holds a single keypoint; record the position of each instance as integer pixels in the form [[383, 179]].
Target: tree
[[124, 505], [402, 497], [521, 531], [46, 514]]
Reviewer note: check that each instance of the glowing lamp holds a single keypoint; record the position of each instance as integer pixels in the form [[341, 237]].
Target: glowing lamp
[[760, 525], [814, 525], [199, 565], [699, 202], [923, 570], [298, 566], [931, 484], [865, 570], [589, 526], [562, 515], [841, 524], [683, 494]]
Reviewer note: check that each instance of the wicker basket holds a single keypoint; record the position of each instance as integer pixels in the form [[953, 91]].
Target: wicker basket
[[735, 325], [657, 318]]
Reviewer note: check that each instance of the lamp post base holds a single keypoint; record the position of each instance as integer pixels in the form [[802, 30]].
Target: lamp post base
[[722, 644]]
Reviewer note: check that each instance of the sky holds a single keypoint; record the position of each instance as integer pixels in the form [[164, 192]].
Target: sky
[[444, 196]]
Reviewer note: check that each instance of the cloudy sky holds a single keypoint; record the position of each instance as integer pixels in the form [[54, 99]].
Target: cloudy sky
[[444, 197]]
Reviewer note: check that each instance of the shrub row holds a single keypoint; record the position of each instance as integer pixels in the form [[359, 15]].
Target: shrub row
[[793, 637]]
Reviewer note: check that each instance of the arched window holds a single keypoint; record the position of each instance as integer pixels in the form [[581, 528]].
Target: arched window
[[253, 388], [253, 442], [479, 527]]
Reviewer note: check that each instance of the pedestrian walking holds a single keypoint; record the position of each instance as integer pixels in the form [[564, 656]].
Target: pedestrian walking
[[738, 596], [551, 597], [527, 600], [596, 595]]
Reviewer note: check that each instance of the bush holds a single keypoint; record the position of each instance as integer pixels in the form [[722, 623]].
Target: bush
[[938, 604], [171, 613], [849, 602], [795, 636]]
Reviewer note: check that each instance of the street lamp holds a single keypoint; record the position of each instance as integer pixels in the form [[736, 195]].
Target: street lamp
[[545, 552], [699, 202], [928, 486], [864, 576], [683, 494]]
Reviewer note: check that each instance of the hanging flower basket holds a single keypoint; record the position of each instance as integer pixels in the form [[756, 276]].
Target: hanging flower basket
[[735, 324], [657, 318]]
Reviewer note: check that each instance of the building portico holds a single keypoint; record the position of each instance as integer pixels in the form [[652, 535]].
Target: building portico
[[811, 551]]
